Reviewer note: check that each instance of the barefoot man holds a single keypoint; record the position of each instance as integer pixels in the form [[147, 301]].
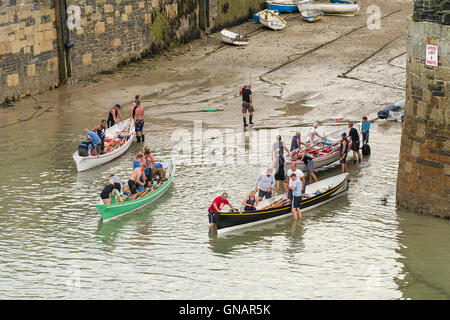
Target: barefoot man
[[139, 121], [296, 186], [135, 179]]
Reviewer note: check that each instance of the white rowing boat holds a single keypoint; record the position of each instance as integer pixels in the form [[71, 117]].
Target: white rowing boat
[[324, 153], [123, 129], [312, 15], [271, 20], [331, 8], [234, 38]]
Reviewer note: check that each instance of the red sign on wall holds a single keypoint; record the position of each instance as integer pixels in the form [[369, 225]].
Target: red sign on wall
[[431, 57]]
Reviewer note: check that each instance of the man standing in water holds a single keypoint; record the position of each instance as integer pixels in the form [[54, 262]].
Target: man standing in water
[[139, 121], [247, 104], [216, 207], [343, 152], [354, 140], [296, 186]]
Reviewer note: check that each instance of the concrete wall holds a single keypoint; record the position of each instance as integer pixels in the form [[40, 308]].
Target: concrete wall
[[423, 183], [104, 34]]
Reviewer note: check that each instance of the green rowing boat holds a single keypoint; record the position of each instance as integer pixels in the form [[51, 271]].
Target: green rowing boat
[[116, 210]]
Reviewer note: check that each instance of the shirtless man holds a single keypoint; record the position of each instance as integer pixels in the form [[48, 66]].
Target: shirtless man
[[135, 179], [139, 121], [134, 106]]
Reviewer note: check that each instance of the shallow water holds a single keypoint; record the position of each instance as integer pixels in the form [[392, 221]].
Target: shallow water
[[53, 244]]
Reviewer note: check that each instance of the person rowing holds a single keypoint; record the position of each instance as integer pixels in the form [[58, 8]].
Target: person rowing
[[112, 116], [135, 179], [216, 207]]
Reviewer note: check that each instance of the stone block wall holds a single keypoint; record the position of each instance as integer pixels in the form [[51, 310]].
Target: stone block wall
[[28, 49], [423, 183], [229, 12]]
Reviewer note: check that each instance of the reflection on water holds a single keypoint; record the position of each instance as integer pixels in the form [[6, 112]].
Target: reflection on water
[[54, 245]]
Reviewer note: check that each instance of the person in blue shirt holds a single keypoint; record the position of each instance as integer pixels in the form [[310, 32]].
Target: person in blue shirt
[[365, 127], [296, 185], [95, 139]]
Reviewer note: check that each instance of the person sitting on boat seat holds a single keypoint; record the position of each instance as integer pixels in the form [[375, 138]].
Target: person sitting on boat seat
[[109, 190], [159, 171], [251, 201], [135, 179], [85, 148]]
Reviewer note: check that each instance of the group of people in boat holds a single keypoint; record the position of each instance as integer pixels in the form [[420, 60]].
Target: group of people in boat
[[95, 143], [147, 176], [293, 182]]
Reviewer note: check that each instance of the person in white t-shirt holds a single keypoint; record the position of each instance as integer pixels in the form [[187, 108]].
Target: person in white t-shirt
[[298, 173], [313, 133]]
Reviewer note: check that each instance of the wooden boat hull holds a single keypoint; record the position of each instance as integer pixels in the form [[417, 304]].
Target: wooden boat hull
[[312, 15], [271, 20], [323, 159], [86, 163], [335, 186], [117, 210], [330, 8], [233, 38]]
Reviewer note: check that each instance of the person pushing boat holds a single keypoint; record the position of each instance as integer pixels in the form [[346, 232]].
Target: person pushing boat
[[96, 141], [313, 134], [135, 179], [309, 162], [296, 142], [112, 116], [216, 207], [101, 132]]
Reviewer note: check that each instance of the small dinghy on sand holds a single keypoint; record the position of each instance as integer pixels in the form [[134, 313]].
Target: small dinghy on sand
[[234, 38], [312, 15], [271, 20]]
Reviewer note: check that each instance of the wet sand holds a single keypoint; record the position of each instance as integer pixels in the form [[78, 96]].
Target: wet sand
[[336, 68]]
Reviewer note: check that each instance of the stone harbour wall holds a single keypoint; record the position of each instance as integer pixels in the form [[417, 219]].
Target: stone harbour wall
[[423, 183], [46, 42]]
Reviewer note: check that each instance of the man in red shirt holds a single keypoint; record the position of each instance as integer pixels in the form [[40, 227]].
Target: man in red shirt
[[217, 206]]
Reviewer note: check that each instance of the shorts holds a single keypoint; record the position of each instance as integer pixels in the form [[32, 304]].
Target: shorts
[[310, 166], [296, 202], [355, 145], [263, 194], [212, 217], [111, 123], [246, 106], [132, 185], [139, 127], [279, 175], [365, 136], [98, 147], [104, 195], [343, 158]]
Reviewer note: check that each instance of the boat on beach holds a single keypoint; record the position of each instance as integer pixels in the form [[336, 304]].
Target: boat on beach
[[285, 6], [116, 209], [234, 38], [324, 153], [279, 206], [312, 15], [256, 15], [331, 8], [118, 139], [271, 20], [393, 111]]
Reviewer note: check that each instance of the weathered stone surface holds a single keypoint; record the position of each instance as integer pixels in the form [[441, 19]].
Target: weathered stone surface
[[423, 177]]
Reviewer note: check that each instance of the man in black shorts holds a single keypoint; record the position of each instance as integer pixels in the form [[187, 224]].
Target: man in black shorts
[[354, 140], [247, 104]]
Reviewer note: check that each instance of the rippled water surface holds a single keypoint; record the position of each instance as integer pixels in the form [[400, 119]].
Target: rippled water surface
[[53, 244]]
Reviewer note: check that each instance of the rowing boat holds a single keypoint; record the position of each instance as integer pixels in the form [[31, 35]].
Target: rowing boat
[[116, 210], [118, 139], [324, 153], [234, 38], [331, 8], [312, 15], [280, 207], [256, 15], [285, 6], [271, 20]]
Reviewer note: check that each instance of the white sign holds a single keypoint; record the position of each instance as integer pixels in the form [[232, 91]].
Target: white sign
[[431, 58]]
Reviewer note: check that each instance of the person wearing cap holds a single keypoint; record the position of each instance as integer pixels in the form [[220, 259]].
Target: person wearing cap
[[343, 151], [313, 133], [265, 183], [112, 116], [216, 207]]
